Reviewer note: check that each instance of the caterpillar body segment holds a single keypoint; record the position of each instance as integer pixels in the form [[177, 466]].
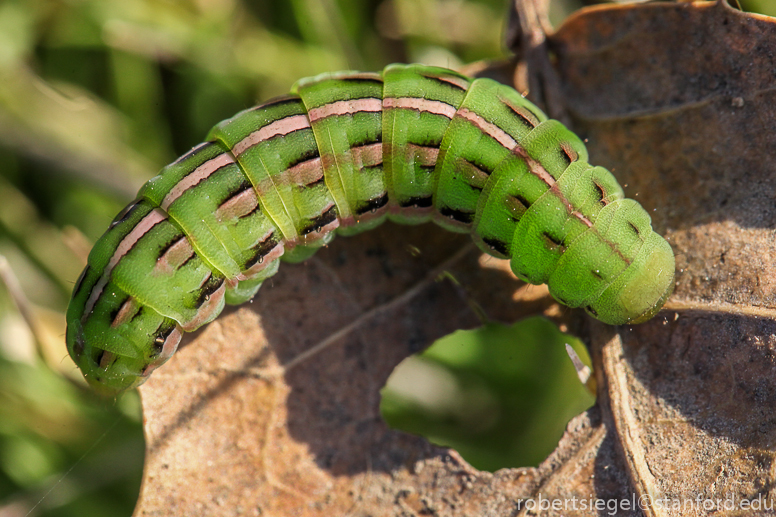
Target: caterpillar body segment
[[417, 109], [341, 154]]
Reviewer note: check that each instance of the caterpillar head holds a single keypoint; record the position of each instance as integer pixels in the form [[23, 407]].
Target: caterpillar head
[[110, 373], [115, 341]]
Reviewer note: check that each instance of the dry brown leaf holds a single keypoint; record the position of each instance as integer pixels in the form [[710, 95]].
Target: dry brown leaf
[[678, 100], [273, 409], [264, 410]]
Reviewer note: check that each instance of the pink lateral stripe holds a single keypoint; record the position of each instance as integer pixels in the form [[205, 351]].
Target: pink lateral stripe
[[175, 256], [571, 153], [535, 167], [193, 178], [143, 226], [425, 155], [238, 205], [320, 233], [582, 218], [367, 155], [304, 240], [303, 173], [521, 111], [280, 127], [345, 108], [275, 253], [458, 82], [94, 296], [207, 277], [208, 310], [377, 214], [168, 349], [171, 343], [268, 186], [538, 170], [127, 310], [419, 104], [490, 129]]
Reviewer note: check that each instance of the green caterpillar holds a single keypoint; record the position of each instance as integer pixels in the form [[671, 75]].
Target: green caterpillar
[[341, 154]]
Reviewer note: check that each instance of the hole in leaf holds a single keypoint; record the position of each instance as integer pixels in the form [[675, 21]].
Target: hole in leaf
[[500, 395]]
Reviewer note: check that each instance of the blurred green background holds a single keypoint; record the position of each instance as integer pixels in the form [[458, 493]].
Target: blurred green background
[[501, 395], [95, 97]]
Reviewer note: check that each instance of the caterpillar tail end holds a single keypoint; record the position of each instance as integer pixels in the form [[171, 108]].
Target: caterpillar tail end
[[642, 289]]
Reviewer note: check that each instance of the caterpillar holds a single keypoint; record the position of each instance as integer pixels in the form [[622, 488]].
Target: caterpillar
[[340, 154]]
